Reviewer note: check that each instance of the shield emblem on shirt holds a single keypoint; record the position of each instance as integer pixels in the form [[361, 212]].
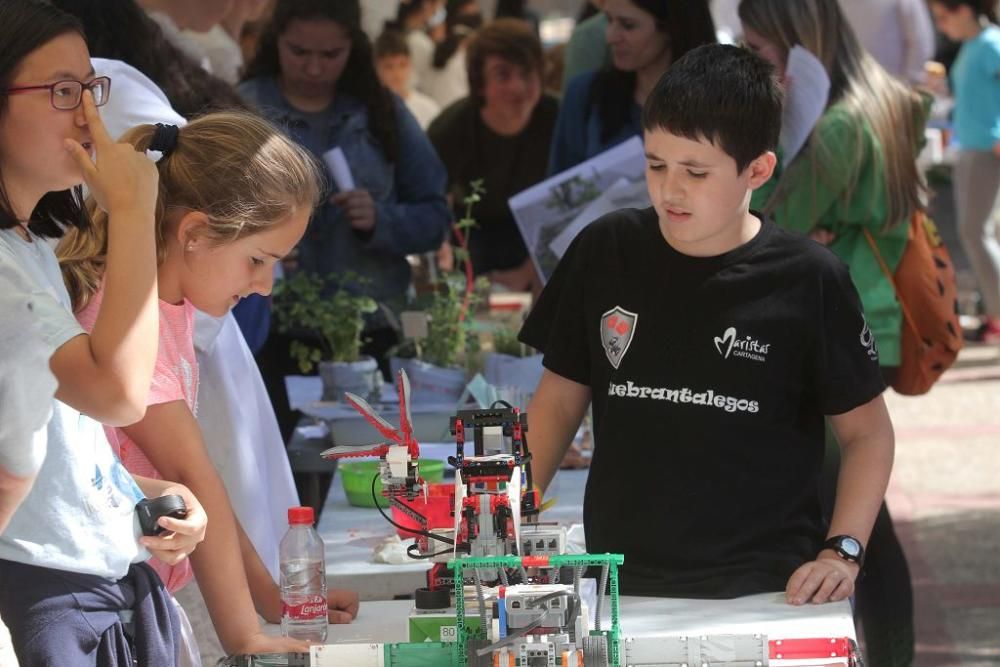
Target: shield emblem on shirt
[[617, 329]]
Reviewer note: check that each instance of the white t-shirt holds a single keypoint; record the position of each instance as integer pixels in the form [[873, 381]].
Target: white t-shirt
[[728, 28], [423, 108], [898, 33], [421, 55], [182, 40], [135, 99], [223, 52], [374, 14], [242, 435], [26, 383], [80, 514], [448, 84]]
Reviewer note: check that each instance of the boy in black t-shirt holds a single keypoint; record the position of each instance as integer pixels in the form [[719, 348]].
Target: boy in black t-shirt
[[712, 344]]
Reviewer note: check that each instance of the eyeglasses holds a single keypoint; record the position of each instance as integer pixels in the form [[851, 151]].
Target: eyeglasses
[[67, 95]]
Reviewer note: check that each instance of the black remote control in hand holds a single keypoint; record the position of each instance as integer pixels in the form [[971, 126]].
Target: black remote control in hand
[[151, 509]]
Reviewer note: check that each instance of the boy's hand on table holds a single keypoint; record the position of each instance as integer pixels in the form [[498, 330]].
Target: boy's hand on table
[[829, 578]]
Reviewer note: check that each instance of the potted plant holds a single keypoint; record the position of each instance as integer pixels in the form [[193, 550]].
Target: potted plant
[[437, 347], [329, 327], [437, 343]]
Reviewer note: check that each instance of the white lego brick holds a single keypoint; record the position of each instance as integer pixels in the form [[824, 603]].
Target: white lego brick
[[356, 655], [397, 457]]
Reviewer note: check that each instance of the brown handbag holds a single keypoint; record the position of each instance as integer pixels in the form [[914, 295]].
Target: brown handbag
[[928, 295]]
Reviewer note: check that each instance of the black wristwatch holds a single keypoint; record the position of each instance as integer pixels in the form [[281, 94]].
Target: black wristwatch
[[847, 547]]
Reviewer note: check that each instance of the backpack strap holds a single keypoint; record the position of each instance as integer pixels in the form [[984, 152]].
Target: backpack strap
[[892, 281]]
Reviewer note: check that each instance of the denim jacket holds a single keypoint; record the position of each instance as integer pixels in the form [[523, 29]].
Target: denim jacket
[[411, 212], [577, 136]]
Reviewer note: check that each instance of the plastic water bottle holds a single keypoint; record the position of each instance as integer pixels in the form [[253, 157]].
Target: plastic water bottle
[[303, 578]]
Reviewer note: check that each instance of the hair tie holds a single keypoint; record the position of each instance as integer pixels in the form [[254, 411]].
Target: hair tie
[[164, 139]]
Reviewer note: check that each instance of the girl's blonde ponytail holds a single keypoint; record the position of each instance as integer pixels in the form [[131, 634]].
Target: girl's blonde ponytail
[[238, 169]]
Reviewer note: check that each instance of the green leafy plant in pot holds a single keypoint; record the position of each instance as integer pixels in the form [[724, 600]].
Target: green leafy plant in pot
[[436, 352], [438, 338], [505, 342], [328, 331]]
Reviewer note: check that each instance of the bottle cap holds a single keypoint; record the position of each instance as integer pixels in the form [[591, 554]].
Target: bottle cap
[[301, 515]]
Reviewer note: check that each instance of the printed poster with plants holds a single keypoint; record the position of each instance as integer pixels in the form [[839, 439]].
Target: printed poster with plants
[[551, 213]]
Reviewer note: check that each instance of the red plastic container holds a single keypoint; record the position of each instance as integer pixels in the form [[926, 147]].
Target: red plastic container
[[437, 509]]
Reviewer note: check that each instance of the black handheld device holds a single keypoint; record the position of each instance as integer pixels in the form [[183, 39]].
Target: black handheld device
[[151, 509]]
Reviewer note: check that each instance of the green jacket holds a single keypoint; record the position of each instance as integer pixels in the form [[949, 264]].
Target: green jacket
[[842, 189]]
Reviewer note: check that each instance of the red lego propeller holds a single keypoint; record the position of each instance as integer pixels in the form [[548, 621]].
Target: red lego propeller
[[401, 436]]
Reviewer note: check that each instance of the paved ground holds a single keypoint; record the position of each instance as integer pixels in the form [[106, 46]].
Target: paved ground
[[945, 492], [945, 498]]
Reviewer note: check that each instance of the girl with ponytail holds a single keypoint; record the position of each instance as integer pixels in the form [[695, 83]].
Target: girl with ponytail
[[235, 195]]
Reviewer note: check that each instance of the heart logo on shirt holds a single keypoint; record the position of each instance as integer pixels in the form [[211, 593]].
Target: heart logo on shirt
[[728, 338]]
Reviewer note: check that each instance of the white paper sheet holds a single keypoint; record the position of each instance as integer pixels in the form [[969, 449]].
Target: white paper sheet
[[336, 162], [808, 89], [622, 194], [545, 210]]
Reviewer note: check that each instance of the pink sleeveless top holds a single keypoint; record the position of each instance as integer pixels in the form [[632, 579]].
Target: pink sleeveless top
[[175, 378]]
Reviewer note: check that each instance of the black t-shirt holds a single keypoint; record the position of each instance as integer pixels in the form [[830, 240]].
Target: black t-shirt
[[507, 165], [710, 378]]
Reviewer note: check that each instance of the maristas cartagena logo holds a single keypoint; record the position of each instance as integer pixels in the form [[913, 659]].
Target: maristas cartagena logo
[[747, 347]]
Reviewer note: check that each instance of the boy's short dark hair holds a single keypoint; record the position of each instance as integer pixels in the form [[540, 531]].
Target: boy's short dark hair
[[391, 43], [723, 94]]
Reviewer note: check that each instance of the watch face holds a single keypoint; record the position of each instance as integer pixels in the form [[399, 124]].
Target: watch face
[[851, 546]]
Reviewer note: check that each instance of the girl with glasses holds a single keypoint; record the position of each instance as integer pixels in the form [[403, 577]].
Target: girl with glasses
[[71, 559], [67, 95]]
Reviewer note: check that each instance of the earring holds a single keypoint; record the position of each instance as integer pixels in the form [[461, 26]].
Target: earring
[[190, 246]]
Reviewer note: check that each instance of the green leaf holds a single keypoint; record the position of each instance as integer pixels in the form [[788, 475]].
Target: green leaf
[[304, 303]]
